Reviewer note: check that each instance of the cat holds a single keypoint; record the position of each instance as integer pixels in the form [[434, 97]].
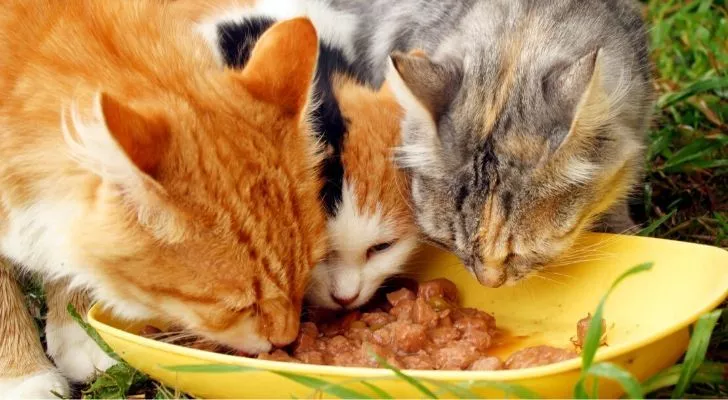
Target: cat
[[525, 120], [135, 168], [373, 233], [371, 230]]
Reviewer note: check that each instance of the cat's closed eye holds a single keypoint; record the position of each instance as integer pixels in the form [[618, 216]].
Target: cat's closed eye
[[378, 248]]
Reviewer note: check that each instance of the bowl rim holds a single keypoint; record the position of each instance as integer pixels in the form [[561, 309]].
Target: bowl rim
[[603, 353]]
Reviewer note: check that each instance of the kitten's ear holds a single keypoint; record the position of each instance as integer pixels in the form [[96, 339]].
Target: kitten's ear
[[282, 64], [433, 85]]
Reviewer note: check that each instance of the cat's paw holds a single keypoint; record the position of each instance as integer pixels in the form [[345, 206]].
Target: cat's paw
[[76, 355], [39, 385]]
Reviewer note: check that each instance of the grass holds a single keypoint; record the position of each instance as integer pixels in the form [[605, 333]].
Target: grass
[[684, 196]]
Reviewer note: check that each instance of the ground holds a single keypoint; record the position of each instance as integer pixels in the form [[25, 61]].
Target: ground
[[685, 193]]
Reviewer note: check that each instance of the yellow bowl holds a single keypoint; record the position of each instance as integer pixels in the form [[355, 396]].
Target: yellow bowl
[[647, 324]]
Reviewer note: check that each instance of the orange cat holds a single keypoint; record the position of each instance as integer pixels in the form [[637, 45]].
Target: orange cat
[[133, 166]]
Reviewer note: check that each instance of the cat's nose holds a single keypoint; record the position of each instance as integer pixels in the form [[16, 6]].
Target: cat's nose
[[344, 301], [492, 276]]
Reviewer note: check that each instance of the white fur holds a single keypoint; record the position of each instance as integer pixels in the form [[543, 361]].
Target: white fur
[[349, 273], [39, 239], [580, 171], [419, 151], [275, 9], [93, 146], [335, 28], [34, 386], [75, 354]]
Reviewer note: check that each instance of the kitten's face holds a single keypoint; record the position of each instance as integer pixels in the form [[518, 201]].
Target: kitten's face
[[506, 171], [212, 217], [372, 232]]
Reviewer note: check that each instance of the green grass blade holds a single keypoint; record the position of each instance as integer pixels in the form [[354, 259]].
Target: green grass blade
[[707, 373], [457, 390], [507, 389], [656, 224], [416, 384], [611, 371], [92, 333], [704, 164], [695, 354], [320, 385], [705, 85], [685, 158], [381, 393], [208, 368], [594, 333]]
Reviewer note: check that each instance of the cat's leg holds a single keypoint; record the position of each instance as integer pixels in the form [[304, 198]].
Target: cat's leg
[[76, 355], [25, 371]]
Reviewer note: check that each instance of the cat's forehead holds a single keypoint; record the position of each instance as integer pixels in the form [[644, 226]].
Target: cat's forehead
[[508, 108]]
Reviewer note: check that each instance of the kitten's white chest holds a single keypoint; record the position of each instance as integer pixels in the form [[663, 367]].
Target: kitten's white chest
[[38, 237]]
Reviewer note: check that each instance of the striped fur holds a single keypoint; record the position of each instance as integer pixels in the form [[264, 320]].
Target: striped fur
[[525, 120], [136, 169], [371, 230]]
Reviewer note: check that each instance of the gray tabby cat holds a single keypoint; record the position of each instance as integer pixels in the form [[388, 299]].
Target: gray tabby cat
[[525, 119]]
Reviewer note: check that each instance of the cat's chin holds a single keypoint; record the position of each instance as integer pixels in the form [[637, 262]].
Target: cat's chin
[[243, 337]]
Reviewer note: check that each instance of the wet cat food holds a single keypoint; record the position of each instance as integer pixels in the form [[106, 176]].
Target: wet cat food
[[581, 329], [419, 326]]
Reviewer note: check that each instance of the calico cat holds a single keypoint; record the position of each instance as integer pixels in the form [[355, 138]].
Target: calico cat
[[134, 167], [525, 120], [371, 231]]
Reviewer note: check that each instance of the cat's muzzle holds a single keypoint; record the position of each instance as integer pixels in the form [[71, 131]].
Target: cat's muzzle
[[491, 276]]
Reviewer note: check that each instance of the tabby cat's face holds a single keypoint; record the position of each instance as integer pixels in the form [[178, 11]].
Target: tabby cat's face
[[507, 170]]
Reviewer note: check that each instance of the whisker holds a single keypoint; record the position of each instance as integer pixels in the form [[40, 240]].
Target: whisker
[[536, 275]]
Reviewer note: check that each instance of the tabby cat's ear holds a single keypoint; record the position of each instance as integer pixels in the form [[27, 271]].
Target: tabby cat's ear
[[433, 85], [282, 65], [577, 91]]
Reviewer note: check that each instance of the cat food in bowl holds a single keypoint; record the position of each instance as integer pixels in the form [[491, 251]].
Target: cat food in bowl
[[415, 327], [648, 328]]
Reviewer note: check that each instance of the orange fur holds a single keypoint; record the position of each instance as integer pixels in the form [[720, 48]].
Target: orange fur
[[373, 132], [195, 188], [197, 11]]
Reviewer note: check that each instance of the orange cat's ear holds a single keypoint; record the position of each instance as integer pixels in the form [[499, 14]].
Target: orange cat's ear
[[116, 142], [124, 146], [143, 138], [282, 64]]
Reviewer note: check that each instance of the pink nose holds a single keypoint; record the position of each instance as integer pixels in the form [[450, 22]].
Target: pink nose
[[345, 301]]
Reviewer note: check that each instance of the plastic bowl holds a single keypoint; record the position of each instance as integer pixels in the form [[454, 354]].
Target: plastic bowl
[[647, 317]]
